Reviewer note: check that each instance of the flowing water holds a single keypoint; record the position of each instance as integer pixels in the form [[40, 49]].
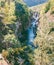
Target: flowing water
[[32, 29]]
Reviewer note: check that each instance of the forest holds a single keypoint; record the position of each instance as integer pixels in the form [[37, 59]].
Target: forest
[[26, 33]]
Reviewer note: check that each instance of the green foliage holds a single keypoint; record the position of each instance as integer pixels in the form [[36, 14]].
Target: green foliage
[[22, 13], [18, 53], [11, 13], [50, 6], [3, 31], [15, 52], [47, 7], [45, 41], [7, 16], [8, 12], [22, 55], [11, 41], [22, 16]]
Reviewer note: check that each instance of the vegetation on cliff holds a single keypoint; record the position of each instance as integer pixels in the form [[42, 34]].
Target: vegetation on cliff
[[45, 37], [14, 20]]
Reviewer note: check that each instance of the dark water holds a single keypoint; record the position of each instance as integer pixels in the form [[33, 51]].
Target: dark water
[[34, 2]]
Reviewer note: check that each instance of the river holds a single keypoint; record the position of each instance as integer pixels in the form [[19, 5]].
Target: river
[[32, 29]]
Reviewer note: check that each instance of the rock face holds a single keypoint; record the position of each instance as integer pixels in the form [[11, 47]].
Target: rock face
[[2, 61]]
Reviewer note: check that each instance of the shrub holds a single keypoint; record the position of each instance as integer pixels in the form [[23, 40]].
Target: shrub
[[17, 56], [52, 10], [5, 53], [47, 7]]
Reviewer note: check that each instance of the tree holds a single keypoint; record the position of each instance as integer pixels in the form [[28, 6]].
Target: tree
[[7, 16], [22, 15]]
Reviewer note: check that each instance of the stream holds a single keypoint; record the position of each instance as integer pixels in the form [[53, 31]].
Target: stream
[[32, 29]]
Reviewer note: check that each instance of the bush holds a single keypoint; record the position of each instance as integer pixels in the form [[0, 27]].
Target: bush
[[52, 10], [5, 53], [17, 56], [47, 7]]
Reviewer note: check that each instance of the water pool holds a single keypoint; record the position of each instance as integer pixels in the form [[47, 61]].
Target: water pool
[[34, 2]]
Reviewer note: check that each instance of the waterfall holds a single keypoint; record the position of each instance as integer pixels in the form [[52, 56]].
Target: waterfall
[[32, 28]]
